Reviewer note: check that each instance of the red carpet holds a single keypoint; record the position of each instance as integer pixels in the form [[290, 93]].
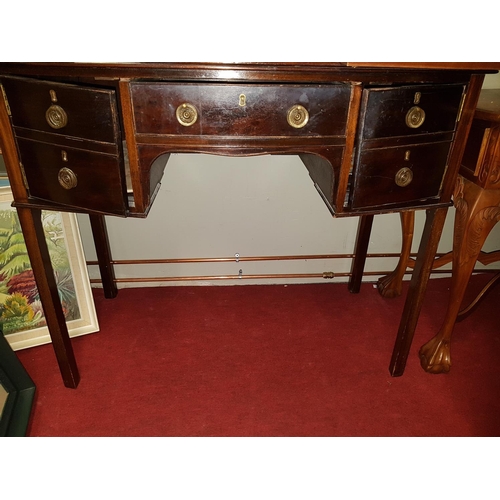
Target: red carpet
[[297, 360]]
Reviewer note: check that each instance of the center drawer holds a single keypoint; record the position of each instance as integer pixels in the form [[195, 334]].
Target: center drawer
[[240, 110]]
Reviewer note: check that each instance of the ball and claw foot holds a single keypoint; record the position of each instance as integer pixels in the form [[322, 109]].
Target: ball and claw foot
[[435, 355], [390, 286]]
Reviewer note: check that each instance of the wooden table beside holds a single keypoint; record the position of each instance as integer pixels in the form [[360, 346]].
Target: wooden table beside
[[375, 138], [477, 203]]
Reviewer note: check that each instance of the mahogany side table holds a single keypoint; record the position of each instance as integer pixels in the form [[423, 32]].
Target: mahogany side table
[[374, 137]]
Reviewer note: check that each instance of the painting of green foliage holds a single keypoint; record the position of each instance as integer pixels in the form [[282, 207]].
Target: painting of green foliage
[[20, 306]]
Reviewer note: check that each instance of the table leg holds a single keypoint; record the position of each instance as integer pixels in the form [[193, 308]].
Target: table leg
[[103, 250], [433, 228], [477, 212], [391, 285], [361, 249], [34, 237]]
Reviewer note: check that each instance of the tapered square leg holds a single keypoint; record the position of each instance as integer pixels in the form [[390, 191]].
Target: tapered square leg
[[360, 251], [433, 228], [103, 250], [34, 237]]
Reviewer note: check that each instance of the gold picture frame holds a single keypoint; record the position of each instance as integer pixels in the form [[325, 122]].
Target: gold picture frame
[[21, 314]]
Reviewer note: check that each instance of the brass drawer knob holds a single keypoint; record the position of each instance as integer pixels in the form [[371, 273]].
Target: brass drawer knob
[[403, 177], [56, 116], [297, 116], [415, 117], [186, 114], [67, 178]]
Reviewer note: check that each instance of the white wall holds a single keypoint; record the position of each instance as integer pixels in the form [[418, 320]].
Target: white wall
[[492, 81], [210, 206]]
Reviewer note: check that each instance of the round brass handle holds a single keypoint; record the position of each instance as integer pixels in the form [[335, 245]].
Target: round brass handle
[[186, 114], [297, 116], [403, 177], [67, 178], [56, 116], [415, 117]]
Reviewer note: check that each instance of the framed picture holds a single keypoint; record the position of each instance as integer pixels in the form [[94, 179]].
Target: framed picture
[[21, 313]]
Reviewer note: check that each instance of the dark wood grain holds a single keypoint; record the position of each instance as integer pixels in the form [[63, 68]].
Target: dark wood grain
[[109, 73], [34, 237], [385, 110], [376, 169], [91, 112], [433, 228], [358, 263], [353, 145], [100, 181], [139, 178], [220, 112], [103, 251]]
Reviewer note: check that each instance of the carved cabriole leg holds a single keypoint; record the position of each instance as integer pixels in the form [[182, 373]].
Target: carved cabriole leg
[[101, 241], [36, 245], [427, 251], [477, 212], [391, 285]]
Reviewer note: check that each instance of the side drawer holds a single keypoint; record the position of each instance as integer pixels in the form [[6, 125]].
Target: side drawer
[[410, 110], [73, 177], [240, 110], [63, 109], [399, 175]]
